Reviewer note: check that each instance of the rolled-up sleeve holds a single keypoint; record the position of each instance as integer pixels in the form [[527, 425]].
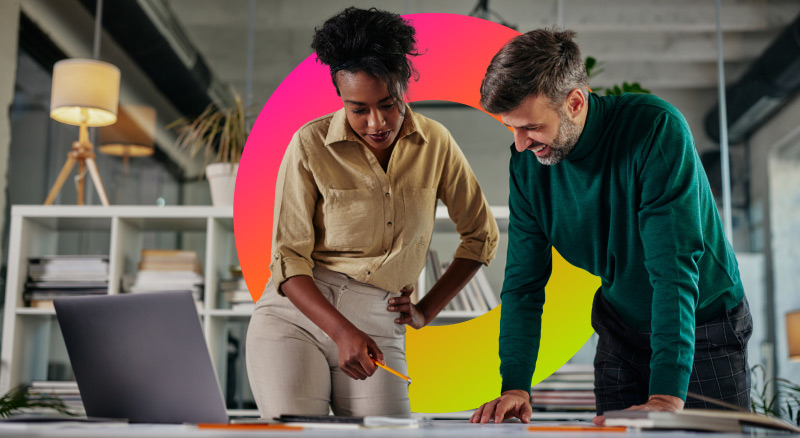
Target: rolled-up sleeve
[[460, 192], [293, 234]]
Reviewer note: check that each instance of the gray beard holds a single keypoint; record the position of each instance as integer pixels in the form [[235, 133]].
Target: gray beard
[[568, 135]]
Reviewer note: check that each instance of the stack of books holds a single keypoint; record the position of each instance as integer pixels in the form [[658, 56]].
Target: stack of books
[[235, 295], [571, 388], [476, 296], [707, 420], [167, 270], [66, 391], [60, 276]]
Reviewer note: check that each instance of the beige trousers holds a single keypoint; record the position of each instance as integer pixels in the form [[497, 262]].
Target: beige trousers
[[293, 365]]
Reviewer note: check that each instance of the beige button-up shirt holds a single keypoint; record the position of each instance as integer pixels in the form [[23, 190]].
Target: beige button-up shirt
[[336, 207]]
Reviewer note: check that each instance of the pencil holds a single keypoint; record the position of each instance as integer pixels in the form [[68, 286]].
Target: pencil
[[577, 428], [391, 371]]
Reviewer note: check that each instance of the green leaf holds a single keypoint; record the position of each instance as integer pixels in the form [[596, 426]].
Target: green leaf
[[19, 398], [590, 63], [221, 133]]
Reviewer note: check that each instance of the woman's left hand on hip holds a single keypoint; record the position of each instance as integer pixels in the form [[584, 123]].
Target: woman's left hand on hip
[[409, 313]]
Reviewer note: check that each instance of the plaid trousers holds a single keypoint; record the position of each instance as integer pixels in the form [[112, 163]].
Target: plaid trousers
[[622, 361]]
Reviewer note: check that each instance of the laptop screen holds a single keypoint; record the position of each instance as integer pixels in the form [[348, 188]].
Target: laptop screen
[[141, 357]]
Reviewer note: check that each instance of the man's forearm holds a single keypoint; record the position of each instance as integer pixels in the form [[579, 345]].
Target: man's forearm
[[520, 334]]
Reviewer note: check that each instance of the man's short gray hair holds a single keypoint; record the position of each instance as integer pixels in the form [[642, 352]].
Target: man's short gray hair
[[541, 62]]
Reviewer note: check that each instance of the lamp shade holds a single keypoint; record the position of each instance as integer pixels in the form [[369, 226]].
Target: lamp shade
[[793, 334], [84, 89], [132, 135]]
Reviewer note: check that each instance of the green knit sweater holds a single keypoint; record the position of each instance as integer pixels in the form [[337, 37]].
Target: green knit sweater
[[632, 205]]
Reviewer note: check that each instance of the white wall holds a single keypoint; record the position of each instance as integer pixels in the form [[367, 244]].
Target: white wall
[[775, 203]]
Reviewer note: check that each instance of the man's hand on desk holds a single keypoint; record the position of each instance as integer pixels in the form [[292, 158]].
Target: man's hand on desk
[[513, 403], [656, 402]]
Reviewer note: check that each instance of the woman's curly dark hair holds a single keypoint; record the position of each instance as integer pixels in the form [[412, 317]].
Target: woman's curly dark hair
[[371, 41]]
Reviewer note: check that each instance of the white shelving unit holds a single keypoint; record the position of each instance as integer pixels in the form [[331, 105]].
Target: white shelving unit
[[39, 230], [443, 224], [36, 231]]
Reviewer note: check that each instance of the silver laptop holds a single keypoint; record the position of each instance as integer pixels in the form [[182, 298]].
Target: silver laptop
[[141, 357]]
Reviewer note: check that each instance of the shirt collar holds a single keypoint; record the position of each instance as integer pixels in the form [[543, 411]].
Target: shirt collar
[[340, 130], [592, 129]]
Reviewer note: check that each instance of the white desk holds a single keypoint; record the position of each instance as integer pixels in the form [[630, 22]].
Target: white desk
[[436, 428]]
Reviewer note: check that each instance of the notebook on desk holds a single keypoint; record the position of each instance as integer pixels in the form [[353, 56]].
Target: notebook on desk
[[141, 357]]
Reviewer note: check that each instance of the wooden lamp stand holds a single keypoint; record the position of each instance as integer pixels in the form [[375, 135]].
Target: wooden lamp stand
[[82, 153]]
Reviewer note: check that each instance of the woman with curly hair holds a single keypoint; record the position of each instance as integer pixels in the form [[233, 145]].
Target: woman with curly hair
[[354, 210]]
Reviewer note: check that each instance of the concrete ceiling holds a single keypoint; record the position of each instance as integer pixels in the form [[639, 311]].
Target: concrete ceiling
[[664, 45]]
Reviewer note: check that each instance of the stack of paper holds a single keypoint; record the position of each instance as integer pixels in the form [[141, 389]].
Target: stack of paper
[[571, 388], [167, 270], [66, 391], [697, 419], [53, 277], [235, 295]]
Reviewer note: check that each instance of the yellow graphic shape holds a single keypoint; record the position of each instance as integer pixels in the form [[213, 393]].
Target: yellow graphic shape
[[456, 367]]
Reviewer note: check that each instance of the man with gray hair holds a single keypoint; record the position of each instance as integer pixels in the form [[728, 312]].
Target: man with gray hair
[[615, 184]]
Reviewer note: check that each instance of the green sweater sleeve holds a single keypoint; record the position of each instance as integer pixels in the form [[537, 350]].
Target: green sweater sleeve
[[528, 268], [672, 238]]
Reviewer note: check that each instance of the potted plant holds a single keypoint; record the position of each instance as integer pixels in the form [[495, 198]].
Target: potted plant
[[19, 399], [220, 133], [784, 403]]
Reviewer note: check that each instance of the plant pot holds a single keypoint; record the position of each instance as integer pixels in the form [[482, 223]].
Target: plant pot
[[222, 179]]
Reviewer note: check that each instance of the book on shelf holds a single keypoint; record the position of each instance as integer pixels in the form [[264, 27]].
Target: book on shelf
[[563, 400], [169, 260], [166, 270], [242, 306], [49, 295], [486, 288], [434, 264], [477, 295], [65, 285], [51, 277], [68, 268], [41, 304], [570, 388], [233, 284], [235, 295], [66, 391], [698, 419]]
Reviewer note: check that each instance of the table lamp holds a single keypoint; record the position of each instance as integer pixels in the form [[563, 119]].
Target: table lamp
[[132, 135], [85, 93], [793, 334]]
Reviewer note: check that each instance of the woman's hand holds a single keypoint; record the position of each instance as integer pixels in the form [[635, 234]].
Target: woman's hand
[[409, 313], [356, 350]]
